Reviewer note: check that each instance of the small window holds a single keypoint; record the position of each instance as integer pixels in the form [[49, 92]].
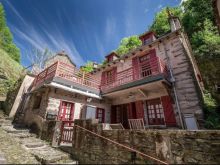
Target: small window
[[100, 115], [37, 102], [147, 41]]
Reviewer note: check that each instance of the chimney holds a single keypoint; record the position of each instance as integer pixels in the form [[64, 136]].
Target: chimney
[[173, 21]]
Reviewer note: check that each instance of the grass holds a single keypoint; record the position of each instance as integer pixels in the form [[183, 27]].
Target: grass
[[10, 71]]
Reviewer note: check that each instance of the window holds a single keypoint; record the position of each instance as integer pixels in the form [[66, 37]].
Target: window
[[37, 102], [147, 41], [66, 111], [155, 112], [110, 59], [100, 114], [145, 66], [90, 112], [109, 76]]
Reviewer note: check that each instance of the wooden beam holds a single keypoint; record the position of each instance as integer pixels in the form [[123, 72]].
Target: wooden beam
[[142, 92]]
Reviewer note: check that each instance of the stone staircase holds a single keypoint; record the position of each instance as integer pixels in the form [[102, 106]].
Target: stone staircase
[[41, 150]]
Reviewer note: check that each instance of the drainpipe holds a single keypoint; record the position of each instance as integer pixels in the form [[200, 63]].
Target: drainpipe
[[173, 85]]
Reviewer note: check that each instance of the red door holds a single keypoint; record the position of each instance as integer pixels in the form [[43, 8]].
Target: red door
[[66, 111], [100, 114], [155, 112]]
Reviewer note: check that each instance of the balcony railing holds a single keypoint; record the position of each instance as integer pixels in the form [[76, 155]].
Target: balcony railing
[[154, 67], [69, 73]]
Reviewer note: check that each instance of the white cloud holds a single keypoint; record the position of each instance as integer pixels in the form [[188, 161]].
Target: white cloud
[[32, 38], [58, 42], [51, 39], [15, 12], [110, 28]]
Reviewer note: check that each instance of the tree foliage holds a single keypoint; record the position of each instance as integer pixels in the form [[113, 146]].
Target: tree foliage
[[6, 38], [196, 12], [128, 44], [160, 24], [88, 67]]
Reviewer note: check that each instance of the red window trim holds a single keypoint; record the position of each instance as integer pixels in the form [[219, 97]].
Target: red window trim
[[72, 111], [103, 114]]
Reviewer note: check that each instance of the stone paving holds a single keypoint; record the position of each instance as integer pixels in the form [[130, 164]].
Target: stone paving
[[18, 146]]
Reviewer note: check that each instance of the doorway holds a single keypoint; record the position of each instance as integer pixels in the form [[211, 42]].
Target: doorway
[[155, 112], [121, 114], [66, 112]]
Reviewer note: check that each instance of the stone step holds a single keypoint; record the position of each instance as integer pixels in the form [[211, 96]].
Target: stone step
[[11, 129]]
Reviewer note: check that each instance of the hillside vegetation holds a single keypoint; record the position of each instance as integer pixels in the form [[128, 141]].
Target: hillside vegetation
[[10, 71]]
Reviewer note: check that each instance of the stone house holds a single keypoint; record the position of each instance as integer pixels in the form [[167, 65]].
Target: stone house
[[158, 82]]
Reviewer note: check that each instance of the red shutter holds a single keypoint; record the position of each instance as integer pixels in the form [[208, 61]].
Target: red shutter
[[135, 65], [114, 73], [154, 62], [139, 109], [103, 78], [170, 119], [129, 110], [72, 111]]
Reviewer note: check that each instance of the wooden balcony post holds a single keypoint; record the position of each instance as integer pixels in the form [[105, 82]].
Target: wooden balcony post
[[83, 78], [56, 70]]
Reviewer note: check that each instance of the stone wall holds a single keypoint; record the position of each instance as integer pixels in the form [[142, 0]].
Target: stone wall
[[172, 146]]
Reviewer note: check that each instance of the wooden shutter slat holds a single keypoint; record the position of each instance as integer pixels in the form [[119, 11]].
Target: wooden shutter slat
[[170, 119]]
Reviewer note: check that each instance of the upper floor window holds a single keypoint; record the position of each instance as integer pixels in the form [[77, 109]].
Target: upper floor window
[[148, 40], [148, 37], [109, 76], [111, 57]]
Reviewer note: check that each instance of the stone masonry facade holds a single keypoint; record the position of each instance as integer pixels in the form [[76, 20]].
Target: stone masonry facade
[[171, 146]]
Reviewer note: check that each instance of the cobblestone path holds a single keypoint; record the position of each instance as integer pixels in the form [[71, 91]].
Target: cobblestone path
[[18, 146]]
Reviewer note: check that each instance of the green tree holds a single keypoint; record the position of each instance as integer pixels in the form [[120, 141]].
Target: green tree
[[88, 67], [160, 24], [6, 38], [206, 46], [128, 44], [196, 12]]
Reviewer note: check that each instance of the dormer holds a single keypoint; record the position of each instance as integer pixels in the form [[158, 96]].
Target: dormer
[[111, 57], [147, 37]]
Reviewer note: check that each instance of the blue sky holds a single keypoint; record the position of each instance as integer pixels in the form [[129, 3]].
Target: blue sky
[[85, 29]]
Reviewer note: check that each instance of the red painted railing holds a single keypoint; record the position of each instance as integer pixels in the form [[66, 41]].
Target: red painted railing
[[154, 67], [67, 132], [67, 72]]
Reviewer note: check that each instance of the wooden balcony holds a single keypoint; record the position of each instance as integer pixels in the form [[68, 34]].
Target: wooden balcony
[[68, 75], [154, 70]]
